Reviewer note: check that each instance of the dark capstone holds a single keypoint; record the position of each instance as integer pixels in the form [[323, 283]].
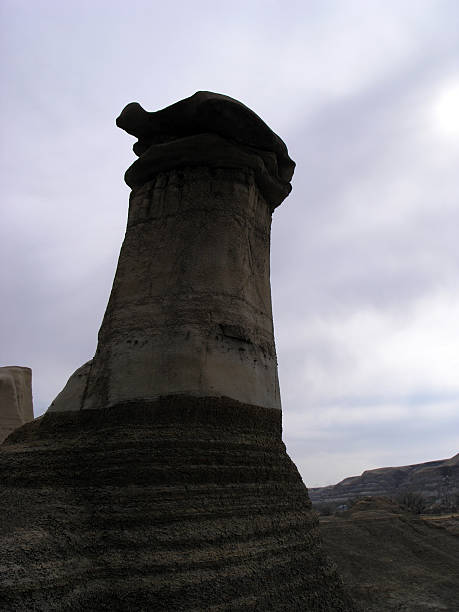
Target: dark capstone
[[207, 129]]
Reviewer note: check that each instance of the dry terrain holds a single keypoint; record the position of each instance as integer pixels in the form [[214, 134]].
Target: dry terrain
[[392, 560]]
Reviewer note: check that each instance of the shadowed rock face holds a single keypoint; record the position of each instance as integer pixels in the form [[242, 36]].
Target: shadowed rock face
[[15, 398], [180, 504], [212, 130], [158, 479]]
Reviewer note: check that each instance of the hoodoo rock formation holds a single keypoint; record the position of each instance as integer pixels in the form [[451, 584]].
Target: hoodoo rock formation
[[158, 479], [190, 309], [15, 398]]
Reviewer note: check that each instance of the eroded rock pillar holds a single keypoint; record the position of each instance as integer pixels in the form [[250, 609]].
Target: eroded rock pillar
[[190, 308], [169, 466]]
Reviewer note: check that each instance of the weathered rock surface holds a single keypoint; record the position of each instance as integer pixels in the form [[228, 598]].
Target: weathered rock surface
[[182, 504], [190, 309], [158, 479], [436, 481], [15, 398]]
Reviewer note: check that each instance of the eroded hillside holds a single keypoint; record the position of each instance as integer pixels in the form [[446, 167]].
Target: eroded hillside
[[436, 481]]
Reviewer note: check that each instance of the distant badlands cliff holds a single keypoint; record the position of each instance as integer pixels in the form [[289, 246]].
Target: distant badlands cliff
[[437, 481]]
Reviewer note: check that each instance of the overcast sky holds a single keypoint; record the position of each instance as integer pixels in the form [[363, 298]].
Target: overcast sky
[[365, 251]]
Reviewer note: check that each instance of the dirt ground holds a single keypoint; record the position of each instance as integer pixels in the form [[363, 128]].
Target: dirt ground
[[392, 560]]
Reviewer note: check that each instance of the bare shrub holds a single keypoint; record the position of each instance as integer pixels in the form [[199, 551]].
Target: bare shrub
[[414, 502]]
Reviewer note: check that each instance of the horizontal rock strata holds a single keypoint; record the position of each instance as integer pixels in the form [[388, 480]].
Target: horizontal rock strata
[[181, 504], [436, 481]]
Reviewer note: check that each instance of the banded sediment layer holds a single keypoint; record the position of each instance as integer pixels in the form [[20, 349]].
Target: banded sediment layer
[[181, 504]]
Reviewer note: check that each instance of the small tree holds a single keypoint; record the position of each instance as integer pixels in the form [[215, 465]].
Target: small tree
[[353, 500], [414, 502]]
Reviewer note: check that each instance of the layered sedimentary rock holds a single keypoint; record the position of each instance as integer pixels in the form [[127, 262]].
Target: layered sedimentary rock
[[158, 479], [436, 481], [15, 398]]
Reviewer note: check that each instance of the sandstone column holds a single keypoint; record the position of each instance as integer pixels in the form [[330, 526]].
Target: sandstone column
[[190, 309]]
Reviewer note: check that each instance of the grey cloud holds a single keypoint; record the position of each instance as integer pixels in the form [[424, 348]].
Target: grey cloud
[[336, 454], [367, 136]]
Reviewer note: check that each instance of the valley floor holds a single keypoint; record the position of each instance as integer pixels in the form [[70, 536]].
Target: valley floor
[[394, 561]]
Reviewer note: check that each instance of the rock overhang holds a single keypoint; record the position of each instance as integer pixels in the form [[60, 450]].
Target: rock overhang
[[207, 129]]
